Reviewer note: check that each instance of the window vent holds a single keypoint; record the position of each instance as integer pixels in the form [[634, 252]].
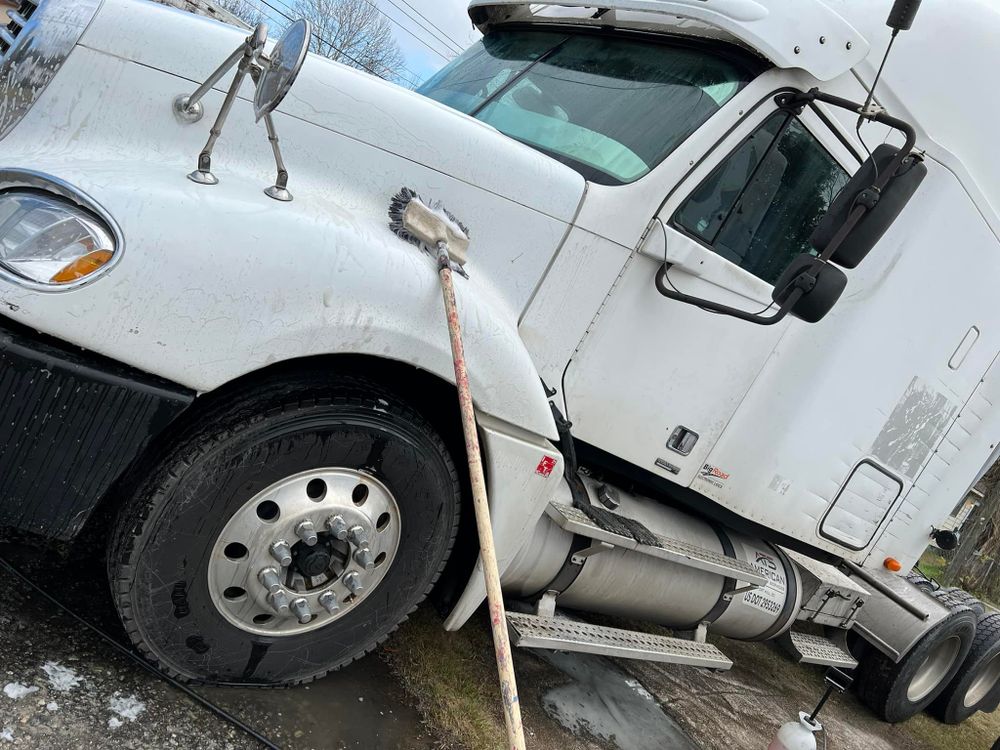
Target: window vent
[[17, 23]]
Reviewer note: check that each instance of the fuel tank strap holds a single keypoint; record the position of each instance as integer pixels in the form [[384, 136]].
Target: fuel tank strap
[[729, 584]]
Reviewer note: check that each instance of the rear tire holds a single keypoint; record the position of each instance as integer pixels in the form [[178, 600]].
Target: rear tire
[[955, 597], [895, 692], [976, 687], [166, 549]]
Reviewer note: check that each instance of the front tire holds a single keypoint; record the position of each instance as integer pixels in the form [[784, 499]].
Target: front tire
[[188, 550]]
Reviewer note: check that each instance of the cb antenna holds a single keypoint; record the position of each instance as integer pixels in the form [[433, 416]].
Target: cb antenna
[[900, 19]]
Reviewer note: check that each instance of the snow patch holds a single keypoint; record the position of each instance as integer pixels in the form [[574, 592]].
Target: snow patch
[[61, 678], [52, 706], [128, 707], [114, 722], [15, 690], [7, 734]]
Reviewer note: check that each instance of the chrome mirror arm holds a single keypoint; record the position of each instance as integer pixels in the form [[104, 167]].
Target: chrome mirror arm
[[189, 108], [279, 190]]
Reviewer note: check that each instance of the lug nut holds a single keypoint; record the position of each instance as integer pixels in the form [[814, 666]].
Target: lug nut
[[363, 557], [356, 535], [281, 552], [353, 582], [307, 533], [279, 602], [300, 608], [337, 526], [270, 580], [328, 601]]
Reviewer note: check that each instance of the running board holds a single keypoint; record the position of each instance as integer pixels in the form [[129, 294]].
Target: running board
[[576, 521], [560, 634], [815, 649]]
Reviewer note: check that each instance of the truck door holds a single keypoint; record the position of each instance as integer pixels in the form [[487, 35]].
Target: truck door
[[655, 381]]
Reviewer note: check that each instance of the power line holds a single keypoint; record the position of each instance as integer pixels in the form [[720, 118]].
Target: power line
[[333, 46], [393, 20], [411, 82], [449, 43], [457, 44]]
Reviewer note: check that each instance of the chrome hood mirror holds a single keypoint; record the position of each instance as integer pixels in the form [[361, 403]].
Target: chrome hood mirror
[[273, 76], [281, 67]]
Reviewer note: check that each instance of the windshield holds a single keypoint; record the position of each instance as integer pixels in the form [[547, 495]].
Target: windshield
[[611, 107]]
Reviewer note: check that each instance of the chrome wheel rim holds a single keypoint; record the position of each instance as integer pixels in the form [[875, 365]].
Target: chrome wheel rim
[[304, 552], [985, 681], [935, 668]]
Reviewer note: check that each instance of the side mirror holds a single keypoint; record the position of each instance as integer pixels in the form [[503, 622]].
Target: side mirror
[[946, 539], [820, 284], [884, 206], [857, 219], [281, 67]]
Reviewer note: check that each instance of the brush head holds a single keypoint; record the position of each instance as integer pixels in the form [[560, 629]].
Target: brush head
[[415, 221]]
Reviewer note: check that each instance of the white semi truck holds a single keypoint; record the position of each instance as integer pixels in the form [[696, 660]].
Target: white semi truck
[[730, 324]]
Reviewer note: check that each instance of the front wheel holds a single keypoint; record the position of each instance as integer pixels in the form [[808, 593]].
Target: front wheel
[[286, 535]]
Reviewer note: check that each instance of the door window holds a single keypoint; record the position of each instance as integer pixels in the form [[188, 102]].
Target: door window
[[759, 206]]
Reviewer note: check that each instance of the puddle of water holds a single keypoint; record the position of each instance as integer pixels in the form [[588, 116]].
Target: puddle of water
[[608, 705], [359, 706]]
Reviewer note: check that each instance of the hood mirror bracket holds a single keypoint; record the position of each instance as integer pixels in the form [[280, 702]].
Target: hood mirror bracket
[[189, 108], [273, 75]]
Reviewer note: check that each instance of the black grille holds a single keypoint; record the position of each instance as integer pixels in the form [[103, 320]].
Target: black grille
[[70, 423], [18, 21]]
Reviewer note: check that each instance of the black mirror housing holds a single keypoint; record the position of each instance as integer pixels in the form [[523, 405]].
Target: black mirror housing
[[822, 285], [884, 207], [946, 539]]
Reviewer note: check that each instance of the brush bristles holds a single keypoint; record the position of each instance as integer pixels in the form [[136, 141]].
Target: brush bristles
[[397, 207]]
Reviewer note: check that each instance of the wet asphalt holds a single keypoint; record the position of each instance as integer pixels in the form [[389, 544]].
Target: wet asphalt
[[62, 686]]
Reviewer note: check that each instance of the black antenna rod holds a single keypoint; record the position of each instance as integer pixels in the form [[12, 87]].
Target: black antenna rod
[[900, 19]]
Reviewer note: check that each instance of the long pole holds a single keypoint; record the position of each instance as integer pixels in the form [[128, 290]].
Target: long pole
[[480, 501]]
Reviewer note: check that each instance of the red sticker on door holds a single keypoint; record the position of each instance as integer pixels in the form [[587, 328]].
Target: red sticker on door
[[545, 466]]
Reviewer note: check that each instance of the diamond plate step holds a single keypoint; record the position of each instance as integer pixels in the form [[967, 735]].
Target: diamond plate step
[[674, 550], [815, 649], [559, 634]]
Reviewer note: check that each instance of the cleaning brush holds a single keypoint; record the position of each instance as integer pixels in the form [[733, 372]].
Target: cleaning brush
[[421, 224], [439, 232]]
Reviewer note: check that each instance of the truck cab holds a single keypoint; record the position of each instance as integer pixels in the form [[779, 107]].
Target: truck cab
[[721, 374]]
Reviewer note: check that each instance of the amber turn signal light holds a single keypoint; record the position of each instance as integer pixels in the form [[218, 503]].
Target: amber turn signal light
[[82, 266], [891, 563]]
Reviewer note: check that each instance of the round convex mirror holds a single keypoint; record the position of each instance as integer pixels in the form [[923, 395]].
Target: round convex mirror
[[284, 64]]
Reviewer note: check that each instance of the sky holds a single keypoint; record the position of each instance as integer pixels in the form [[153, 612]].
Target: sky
[[450, 16], [429, 32]]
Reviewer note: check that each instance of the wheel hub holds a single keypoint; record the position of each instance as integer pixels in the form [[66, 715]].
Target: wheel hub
[[304, 551], [984, 682], [934, 669], [310, 562]]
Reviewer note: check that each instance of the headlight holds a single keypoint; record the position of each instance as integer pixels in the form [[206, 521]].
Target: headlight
[[49, 240]]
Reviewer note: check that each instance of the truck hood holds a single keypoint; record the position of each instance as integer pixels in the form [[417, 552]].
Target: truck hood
[[346, 102]]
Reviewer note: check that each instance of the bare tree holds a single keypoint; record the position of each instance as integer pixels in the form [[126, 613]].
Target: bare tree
[[355, 33], [245, 10]]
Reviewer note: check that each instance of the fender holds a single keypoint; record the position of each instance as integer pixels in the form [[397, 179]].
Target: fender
[[189, 304]]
